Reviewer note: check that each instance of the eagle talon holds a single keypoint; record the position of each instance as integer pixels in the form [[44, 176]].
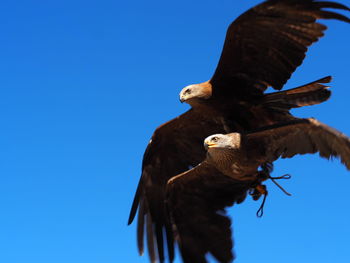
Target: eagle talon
[[258, 191], [261, 189]]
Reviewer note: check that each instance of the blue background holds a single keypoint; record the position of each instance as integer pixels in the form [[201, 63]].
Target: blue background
[[83, 86]]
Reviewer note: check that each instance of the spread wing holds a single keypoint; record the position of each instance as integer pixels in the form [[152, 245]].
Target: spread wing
[[300, 137], [175, 147], [266, 44], [196, 201]]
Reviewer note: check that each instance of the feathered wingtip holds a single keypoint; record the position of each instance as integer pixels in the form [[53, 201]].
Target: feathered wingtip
[[309, 94], [325, 14], [317, 8]]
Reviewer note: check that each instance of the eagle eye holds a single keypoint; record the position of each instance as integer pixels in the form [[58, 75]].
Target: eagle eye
[[215, 139], [187, 91]]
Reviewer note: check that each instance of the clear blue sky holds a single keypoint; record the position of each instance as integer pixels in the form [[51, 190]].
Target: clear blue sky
[[83, 86]]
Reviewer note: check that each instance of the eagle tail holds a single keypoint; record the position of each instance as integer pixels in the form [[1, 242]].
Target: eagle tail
[[310, 94]]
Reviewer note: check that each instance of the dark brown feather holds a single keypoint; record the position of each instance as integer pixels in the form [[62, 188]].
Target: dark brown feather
[[196, 202], [299, 137], [274, 35], [175, 147], [309, 94]]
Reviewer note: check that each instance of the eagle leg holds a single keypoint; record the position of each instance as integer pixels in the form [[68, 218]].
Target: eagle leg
[[258, 189]]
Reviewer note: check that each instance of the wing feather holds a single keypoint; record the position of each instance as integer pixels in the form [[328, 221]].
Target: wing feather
[[274, 35], [140, 228], [175, 146], [300, 137], [196, 202], [150, 238]]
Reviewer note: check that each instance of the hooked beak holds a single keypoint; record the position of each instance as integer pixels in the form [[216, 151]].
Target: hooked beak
[[208, 144], [182, 100]]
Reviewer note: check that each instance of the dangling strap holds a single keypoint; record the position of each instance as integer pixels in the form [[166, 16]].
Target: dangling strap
[[286, 176], [260, 212]]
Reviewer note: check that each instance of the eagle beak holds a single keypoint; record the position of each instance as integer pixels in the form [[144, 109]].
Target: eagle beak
[[208, 144], [182, 99]]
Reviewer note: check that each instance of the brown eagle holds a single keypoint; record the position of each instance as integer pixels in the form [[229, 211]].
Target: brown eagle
[[196, 199], [263, 47]]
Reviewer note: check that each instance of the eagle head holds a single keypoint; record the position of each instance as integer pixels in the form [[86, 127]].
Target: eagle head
[[195, 92], [227, 141]]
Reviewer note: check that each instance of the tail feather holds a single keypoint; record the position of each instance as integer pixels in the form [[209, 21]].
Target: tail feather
[[306, 95]]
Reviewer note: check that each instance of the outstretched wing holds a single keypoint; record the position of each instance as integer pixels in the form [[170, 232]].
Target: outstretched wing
[[196, 201], [175, 147], [300, 137], [266, 44]]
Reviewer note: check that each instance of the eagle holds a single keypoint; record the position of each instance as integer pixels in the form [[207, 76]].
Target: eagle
[[229, 171], [263, 47]]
